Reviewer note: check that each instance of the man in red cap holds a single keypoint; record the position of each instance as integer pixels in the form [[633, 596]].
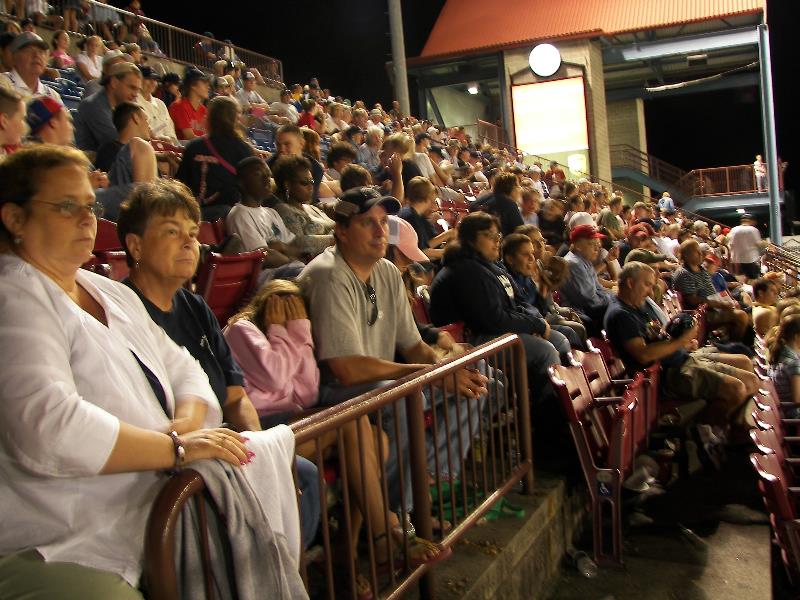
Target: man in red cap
[[582, 291]]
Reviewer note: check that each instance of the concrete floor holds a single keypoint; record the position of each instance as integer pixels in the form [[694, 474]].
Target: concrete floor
[[717, 561]]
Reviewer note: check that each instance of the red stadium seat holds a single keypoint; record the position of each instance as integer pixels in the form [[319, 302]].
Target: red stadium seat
[[106, 238], [225, 282], [117, 262], [208, 234], [604, 435]]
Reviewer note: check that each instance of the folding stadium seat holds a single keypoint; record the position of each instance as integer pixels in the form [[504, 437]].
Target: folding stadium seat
[[208, 234], [460, 205], [780, 501], [616, 368], [225, 282], [106, 238], [603, 431], [420, 311], [117, 262]]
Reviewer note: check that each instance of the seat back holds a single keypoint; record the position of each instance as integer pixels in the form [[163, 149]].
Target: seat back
[[615, 366], [420, 310], [118, 262], [780, 504], [456, 331], [596, 371], [767, 441], [106, 238], [208, 234], [225, 282], [576, 401]]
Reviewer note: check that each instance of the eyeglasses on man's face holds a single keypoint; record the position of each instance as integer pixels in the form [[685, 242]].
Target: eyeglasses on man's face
[[70, 209], [494, 236]]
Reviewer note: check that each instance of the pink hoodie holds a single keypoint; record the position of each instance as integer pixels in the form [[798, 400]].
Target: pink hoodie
[[280, 370]]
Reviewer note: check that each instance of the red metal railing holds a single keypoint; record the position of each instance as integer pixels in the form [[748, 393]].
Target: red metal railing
[[624, 155], [721, 181], [492, 451]]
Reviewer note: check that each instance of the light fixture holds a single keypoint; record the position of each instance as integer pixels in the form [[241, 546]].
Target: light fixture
[[472, 88], [545, 59]]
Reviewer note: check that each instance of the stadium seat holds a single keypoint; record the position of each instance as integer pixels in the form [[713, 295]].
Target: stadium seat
[[225, 282], [106, 238], [208, 234], [603, 432]]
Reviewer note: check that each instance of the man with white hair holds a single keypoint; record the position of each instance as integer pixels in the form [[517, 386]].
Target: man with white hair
[[369, 151], [29, 59]]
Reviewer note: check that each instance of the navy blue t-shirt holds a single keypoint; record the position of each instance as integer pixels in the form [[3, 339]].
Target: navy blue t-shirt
[[423, 227], [191, 324], [623, 322]]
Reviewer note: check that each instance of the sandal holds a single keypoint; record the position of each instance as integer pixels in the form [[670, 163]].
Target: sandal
[[418, 548]]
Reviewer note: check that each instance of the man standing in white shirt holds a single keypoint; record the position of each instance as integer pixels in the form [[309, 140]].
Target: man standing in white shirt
[[746, 244], [760, 171], [248, 97], [161, 125], [29, 56]]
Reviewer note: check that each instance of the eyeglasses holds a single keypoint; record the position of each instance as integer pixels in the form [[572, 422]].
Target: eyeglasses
[[373, 298], [305, 181], [492, 236], [68, 209]]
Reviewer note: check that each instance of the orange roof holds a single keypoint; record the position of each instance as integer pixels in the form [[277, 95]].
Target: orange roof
[[468, 26]]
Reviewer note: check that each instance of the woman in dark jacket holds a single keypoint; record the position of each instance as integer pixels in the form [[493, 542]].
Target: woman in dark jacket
[[473, 287]]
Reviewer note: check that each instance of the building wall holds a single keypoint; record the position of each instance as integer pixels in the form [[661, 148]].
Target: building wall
[[626, 125], [579, 57], [458, 107]]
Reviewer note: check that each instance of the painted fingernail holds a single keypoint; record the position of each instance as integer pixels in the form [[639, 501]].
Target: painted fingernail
[[243, 463], [250, 453], [244, 439]]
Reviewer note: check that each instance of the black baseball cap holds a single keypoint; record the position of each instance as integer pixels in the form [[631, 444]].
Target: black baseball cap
[[171, 78], [149, 73], [360, 200], [191, 75]]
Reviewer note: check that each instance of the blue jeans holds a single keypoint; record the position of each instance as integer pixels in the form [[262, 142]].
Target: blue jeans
[[309, 498]]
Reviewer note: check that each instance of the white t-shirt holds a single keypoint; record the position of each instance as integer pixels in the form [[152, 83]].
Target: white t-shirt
[[245, 98], [161, 124], [93, 66], [285, 110], [257, 226], [666, 246], [424, 163], [744, 240]]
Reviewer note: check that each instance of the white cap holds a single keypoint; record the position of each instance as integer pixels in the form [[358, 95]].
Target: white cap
[[580, 218]]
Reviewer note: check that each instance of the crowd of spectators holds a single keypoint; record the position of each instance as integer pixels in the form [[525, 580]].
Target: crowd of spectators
[[359, 211]]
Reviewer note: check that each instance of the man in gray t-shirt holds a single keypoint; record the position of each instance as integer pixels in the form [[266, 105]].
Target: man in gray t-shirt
[[360, 315]]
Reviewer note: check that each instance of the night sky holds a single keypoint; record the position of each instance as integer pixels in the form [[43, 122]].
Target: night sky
[[346, 45]]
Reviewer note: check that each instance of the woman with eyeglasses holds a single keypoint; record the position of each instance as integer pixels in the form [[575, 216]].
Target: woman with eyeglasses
[[313, 229], [208, 166], [271, 341], [474, 287], [93, 395]]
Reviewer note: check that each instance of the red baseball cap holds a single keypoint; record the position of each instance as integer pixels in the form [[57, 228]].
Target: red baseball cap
[[713, 258], [584, 232]]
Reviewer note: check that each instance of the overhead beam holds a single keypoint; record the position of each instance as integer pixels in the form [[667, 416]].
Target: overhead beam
[[740, 80], [690, 44], [465, 76]]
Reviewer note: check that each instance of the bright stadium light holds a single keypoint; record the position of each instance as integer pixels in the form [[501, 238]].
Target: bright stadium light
[[545, 59], [472, 88]]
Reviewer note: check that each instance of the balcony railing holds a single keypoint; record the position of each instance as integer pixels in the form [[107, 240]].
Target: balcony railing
[[723, 181], [179, 45]]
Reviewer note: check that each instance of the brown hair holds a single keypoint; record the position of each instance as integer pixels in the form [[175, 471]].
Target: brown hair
[[255, 309], [418, 189], [21, 171], [504, 183], [788, 329], [223, 117], [512, 243], [9, 101], [164, 197], [354, 176]]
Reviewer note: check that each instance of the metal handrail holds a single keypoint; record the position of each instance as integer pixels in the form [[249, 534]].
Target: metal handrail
[[653, 166], [507, 444], [179, 45]]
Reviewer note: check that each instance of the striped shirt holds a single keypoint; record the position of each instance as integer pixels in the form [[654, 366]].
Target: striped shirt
[[690, 283]]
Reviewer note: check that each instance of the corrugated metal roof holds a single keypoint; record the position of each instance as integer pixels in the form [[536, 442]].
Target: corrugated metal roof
[[467, 26]]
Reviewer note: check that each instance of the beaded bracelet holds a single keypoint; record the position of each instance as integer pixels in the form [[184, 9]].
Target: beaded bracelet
[[180, 452]]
